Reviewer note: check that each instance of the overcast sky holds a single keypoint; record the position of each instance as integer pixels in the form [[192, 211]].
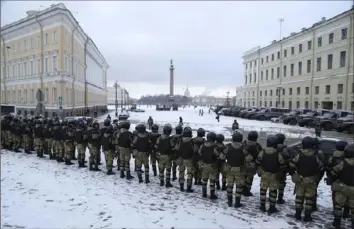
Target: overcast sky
[[205, 39]]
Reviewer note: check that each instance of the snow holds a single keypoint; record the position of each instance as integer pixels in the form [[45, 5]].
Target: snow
[[39, 193]]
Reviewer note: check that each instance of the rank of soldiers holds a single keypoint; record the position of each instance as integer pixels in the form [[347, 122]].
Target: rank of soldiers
[[202, 158]]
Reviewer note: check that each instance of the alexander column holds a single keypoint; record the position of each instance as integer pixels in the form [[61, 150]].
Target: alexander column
[[171, 79]]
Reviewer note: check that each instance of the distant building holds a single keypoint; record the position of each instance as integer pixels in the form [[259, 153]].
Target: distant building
[[187, 93], [122, 96], [203, 100]]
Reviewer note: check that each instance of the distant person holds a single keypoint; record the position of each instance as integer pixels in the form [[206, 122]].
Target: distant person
[[150, 122], [201, 112], [181, 121], [218, 117], [318, 130], [109, 117], [235, 125]]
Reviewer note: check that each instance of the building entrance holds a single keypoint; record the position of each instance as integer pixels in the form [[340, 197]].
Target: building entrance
[[327, 105]]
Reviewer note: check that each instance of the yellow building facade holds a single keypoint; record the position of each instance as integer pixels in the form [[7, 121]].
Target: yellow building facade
[[48, 50]]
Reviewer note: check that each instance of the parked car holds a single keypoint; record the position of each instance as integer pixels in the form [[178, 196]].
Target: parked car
[[174, 107], [292, 117], [253, 112], [160, 107], [222, 111], [346, 124], [124, 115], [308, 119], [139, 110], [269, 113], [244, 112], [329, 120], [236, 112]]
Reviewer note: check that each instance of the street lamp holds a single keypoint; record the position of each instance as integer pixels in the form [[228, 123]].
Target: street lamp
[[116, 102], [279, 90]]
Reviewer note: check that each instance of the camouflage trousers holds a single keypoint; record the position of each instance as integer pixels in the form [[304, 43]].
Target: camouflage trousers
[[189, 165], [235, 175], [175, 163], [68, 149], [165, 163], [153, 159], [48, 145], [94, 154], [109, 156], [282, 184], [269, 181], [81, 150], [305, 193], [3, 137], [221, 172], [197, 173], [8, 138], [59, 149], [16, 141], [124, 155], [141, 158], [249, 175], [39, 142], [27, 142], [344, 195], [209, 173]]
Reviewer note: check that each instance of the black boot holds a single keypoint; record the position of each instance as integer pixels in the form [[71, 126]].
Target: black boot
[[168, 184], [195, 181], [81, 164], [38, 154], [189, 188], [174, 177], [122, 175], [147, 180], [96, 168], [298, 213], [41, 154], [345, 212], [223, 186], [262, 208], [229, 201], [59, 160], [162, 183], [218, 185], [272, 209], [28, 152], [352, 224], [238, 202], [314, 206], [204, 192], [140, 177], [68, 162], [212, 195], [181, 187], [336, 222], [91, 167], [307, 217], [129, 176], [246, 192], [280, 200], [110, 172], [154, 171], [118, 167]]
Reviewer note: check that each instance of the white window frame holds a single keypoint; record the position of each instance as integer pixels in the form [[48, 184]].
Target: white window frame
[[46, 65], [19, 95], [31, 43], [25, 96], [24, 69], [31, 67], [46, 39], [38, 66], [13, 71], [19, 70], [46, 95], [32, 95], [25, 45], [54, 36], [55, 63], [54, 94], [38, 41]]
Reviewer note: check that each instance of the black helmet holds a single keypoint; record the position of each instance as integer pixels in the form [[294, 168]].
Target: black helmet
[[272, 141], [201, 132], [167, 129], [340, 145], [115, 121], [89, 120], [220, 138], [179, 129], [211, 137], [95, 125], [187, 132], [252, 136], [307, 142], [81, 124], [109, 130], [237, 137], [107, 122], [141, 128], [126, 125], [349, 151], [155, 128], [281, 138]]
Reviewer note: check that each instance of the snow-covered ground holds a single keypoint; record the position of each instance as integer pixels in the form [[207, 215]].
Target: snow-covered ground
[[39, 193]]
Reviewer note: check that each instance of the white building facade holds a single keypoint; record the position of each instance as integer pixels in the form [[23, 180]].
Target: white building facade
[[123, 97], [310, 69]]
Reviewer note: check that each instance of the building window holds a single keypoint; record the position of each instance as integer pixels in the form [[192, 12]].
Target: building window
[[290, 105], [318, 64], [54, 94], [342, 59], [282, 104], [55, 63], [46, 39], [31, 67], [317, 90], [298, 90], [308, 66], [271, 92], [262, 61], [32, 95], [19, 70], [278, 55], [25, 96], [246, 79], [309, 45], [283, 91], [260, 103], [254, 75], [38, 41], [38, 66], [272, 74], [319, 41], [278, 72], [290, 91], [306, 104], [265, 93], [307, 90], [25, 69], [266, 74], [260, 93], [267, 59], [292, 70], [340, 89], [251, 64], [300, 68], [255, 63], [8, 72], [270, 103], [13, 71], [328, 89], [285, 53], [54, 36], [344, 33], [46, 65], [330, 38], [252, 94], [24, 45], [284, 71], [261, 75], [31, 43], [19, 96], [46, 95], [329, 61], [292, 50], [300, 48], [297, 104], [339, 105], [265, 103], [316, 104], [250, 78]]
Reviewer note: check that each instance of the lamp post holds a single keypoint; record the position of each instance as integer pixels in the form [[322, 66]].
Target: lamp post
[[279, 88], [116, 102]]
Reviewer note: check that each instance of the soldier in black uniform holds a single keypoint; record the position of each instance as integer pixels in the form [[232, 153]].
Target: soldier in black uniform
[[165, 155], [16, 135], [176, 158], [124, 143], [108, 148], [234, 154], [38, 133], [48, 135], [106, 124], [58, 136], [28, 133], [94, 146], [153, 136], [220, 147], [209, 156], [198, 142], [282, 175], [80, 143]]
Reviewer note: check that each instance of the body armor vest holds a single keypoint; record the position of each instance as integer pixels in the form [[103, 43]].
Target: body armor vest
[[186, 149], [235, 156], [307, 165], [208, 156]]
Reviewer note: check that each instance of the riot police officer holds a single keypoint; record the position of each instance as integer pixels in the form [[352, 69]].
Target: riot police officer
[[153, 136], [176, 158], [198, 142], [220, 147]]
